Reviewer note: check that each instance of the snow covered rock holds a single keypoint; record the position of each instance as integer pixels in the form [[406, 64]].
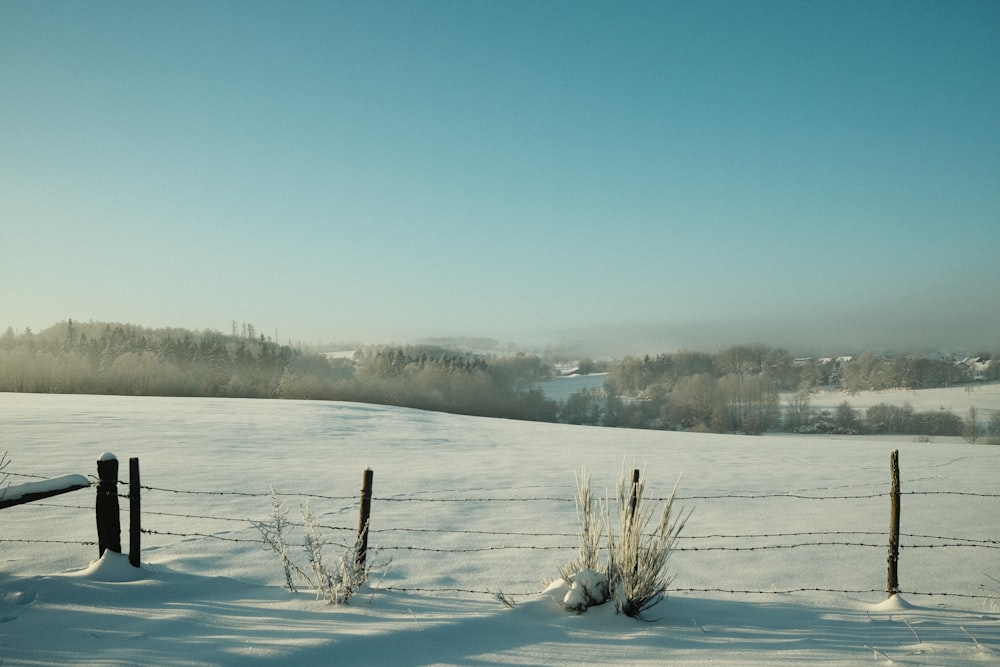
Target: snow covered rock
[[587, 588]]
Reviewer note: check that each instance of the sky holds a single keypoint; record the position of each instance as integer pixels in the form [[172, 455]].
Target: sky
[[626, 177]]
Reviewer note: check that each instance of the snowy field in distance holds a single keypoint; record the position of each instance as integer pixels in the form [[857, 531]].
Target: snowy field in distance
[[984, 397], [208, 595]]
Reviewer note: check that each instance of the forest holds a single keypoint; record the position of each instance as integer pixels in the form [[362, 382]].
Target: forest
[[757, 388], [106, 358], [747, 389]]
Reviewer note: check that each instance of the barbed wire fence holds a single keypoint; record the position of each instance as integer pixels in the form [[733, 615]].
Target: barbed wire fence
[[398, 540]]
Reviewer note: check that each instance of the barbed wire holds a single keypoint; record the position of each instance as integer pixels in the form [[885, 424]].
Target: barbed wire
[[470, 591], [515, 540], [955, 542], [789, 591], [728, 591], [715, 496], [983, 544], [398, 499], [42, 503], [944, 541], [245, 494], [252, 522], [947, 539], [762, 496], [446, 531], [210, 536], [44, 541], [563, 499], [761, 547], [960, 539], [226, 538], [469, 550], [974, 494], [21, 474]]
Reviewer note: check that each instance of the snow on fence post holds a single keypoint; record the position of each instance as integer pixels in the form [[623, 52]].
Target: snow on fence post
[[109, 532], [366, 509], [134, 521], [892, 586]]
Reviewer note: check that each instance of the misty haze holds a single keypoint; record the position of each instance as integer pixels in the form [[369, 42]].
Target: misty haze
[[531, 265]]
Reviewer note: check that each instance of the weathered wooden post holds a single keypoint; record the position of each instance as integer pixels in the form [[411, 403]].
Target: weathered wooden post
[[109, 531], [364, 518], [633, 505], [633, 500], [134, 516], [892, 586]]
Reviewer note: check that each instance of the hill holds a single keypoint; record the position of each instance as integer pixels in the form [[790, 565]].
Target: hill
[[782, 562]]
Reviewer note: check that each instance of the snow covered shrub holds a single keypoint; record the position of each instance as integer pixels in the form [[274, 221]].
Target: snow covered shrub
[[337, 583], [635, 575], [588, 556], [637, 559], [273, 533], [587, 586]]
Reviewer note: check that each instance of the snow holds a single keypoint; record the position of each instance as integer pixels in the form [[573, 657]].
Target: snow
[[204, 597], [984, 397], [585, 589], [48, 486]]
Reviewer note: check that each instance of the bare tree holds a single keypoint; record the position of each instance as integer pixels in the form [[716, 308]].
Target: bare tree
[[798, 411], [971, 429]]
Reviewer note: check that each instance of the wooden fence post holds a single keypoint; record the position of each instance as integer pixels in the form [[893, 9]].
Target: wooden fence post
[[364, 518], [109, 532], [892, 585], [134, 516], [633, 505], [633, 500]]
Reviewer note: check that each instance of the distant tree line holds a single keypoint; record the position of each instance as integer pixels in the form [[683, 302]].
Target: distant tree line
[[741, 389], [735, 390], [432, 378], [105, 358]]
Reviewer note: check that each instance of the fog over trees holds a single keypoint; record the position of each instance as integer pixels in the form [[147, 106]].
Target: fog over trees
[[740, 389], [103, 358], [756, 388]]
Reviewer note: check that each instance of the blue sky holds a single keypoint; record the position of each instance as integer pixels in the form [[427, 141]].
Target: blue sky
[[635, 177]]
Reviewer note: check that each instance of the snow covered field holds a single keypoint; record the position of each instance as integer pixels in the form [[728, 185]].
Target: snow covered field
[[984, 397], [469, 506]]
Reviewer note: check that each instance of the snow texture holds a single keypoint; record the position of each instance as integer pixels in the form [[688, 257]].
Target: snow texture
[[587, 588], [208, 594]]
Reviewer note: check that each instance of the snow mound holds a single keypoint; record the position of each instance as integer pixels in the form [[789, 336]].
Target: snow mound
[[587, 588], [112, 567], [895, 603]]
